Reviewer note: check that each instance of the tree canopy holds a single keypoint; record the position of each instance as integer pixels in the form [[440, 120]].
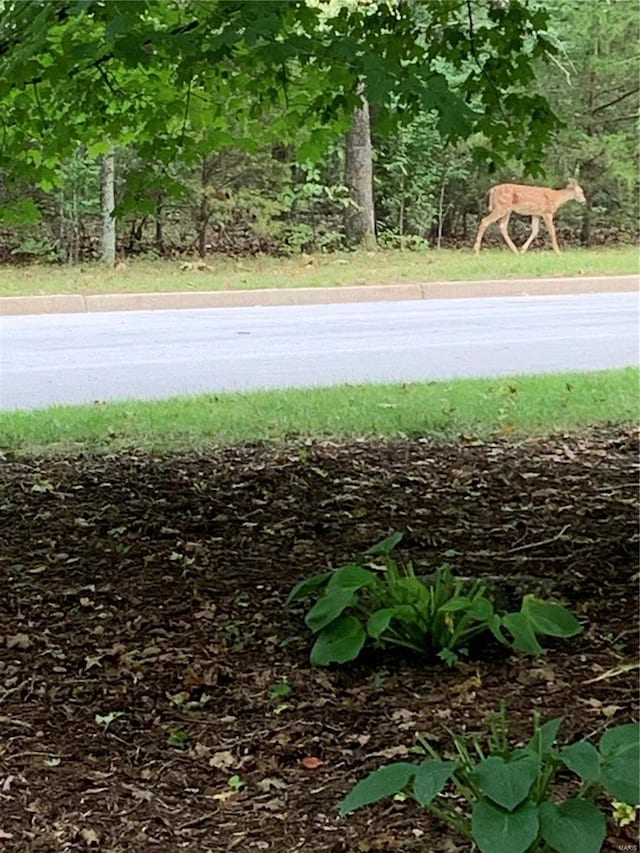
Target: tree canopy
[[188, 77]]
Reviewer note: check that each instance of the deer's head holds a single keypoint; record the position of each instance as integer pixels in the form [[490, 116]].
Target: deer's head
[[576, 189]]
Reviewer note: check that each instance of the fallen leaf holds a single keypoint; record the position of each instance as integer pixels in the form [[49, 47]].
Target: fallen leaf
[[311, 762], [222, 760], [90, 837], [269, 782], [18, 641]]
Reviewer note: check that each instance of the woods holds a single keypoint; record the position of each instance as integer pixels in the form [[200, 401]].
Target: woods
[[242, 128]]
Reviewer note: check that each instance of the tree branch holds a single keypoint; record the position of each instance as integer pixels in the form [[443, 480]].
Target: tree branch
[[615, 100]]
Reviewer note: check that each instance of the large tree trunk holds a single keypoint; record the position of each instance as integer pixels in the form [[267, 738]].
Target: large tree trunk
[[107, 187], [360, 225]]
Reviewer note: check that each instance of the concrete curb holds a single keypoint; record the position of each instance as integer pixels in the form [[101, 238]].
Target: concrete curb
[[75, 303]]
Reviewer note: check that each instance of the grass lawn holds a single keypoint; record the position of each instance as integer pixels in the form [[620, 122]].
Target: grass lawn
[[335, 270], [521, 405]]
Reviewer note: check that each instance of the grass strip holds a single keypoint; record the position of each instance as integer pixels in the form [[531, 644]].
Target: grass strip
[[520, 405], [335, 270]]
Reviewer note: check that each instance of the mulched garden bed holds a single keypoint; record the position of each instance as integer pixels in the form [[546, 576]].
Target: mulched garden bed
[[144, 633]]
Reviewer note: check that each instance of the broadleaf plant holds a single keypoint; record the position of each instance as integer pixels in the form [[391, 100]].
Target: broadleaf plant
[[437, 617], [502, 799]]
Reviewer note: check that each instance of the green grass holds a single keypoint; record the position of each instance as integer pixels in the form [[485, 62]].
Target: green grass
[[522, 405], [379, 267]]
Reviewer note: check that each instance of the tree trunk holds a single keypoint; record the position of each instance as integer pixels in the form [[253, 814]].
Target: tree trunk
[[159, 235], [107, 187], [585, 231], [360, 227]]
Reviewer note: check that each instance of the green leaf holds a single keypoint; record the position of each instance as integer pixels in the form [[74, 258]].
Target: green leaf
[[382, 783], [351, 577], [549, 618], [498, 831], [582, 758], [521, 629], [573, 825], [307, 586], [178, 739], [328, 608], [507, 782], [431, 777], [340, 642], [385, 546], [379, 621], [481, 609], [545, 737], [459, 602], [620, 765], [99, 148], [19, 212]]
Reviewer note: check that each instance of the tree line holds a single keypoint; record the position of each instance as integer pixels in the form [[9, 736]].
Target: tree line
[[286, 127]]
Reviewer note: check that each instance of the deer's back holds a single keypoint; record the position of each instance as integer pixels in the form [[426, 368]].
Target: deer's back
[[522, 199]]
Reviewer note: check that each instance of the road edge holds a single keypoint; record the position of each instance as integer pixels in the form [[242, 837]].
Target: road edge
[[76, 303]]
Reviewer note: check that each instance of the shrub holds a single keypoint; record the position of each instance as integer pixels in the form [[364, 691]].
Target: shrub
[[393, 606], [507, 792]]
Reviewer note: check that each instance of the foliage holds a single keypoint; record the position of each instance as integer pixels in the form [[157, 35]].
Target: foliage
[[185, 79], [510, 804], [186, 89], [437, 617], [593, 84]]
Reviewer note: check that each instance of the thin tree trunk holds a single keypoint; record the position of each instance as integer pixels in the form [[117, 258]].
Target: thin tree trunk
[[441, 208], [359, 222], [107, 186], [585, 231]]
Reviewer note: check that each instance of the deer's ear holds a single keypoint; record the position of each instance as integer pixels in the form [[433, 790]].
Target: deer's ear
[[572, 182]]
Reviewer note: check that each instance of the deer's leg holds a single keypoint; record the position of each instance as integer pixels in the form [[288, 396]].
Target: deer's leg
[[504, 230], [551, 228], [535, 227], [486, 222]]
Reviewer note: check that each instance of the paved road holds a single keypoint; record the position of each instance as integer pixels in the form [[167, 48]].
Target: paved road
[[80, 358]]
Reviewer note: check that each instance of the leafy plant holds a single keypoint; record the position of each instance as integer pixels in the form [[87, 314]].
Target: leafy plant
[[393, 606], [178, 739], [509, 805]]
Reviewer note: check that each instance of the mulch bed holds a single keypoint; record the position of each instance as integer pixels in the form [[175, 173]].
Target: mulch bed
[[144, 630]]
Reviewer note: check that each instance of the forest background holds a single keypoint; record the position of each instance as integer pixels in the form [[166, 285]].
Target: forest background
[[249, 190]]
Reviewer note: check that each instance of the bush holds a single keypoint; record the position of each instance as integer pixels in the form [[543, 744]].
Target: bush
[[435, 618]]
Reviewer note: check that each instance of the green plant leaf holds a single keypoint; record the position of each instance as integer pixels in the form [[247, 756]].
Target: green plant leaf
[[620, 764], [481, 609], [178, 739], [431, 777], [385, 546], [550, 618], [573, 825], [521, 629], [340, 642], [307, 586], [379, 621], [494, 624], [507, 783], [352, 578], [459, 602], [498, 831], [328, 608], [543, 739], [382, 783], [582, 758]]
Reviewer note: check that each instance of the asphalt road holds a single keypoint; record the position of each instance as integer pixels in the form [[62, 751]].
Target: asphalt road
[[80, 358]]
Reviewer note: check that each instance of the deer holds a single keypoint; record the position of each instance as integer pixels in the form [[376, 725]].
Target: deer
[[536, 202]]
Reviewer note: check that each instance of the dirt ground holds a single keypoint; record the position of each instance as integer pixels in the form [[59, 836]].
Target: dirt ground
[[145, 639]]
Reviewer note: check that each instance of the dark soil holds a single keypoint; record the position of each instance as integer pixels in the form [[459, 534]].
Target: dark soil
[[144, 630]]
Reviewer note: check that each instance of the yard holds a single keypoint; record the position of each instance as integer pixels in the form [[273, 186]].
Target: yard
[[156, 694]]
